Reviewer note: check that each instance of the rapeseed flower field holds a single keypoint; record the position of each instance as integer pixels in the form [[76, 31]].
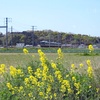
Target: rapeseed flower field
[[49, 80]]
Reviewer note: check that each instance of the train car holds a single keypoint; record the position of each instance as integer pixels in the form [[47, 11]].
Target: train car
[[49, 44]]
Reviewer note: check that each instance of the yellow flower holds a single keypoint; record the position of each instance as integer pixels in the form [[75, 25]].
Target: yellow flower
[[45, 68], [13, 92], [63, 88], [97, 90], [38, 74], [60, 54], [74, 79], [41, 93], [40, 84], [73, 66], [41, 54], [30, 94], [88, 62], [55, 95], [13, 71], [54, 66], [44, 77], [2, 68], [48, 89], [90, 71], [20, 88], [9, 86], [67, 75], [25, 51], [78, 92], [39, 51], [20, 72], [43, 60], [77, 85], [30, 71], [90, 47], [33, 79], [26, 80], [15, 88], [50, 97], [66, 83], [90, 86], [50, 78], [58, 75], [70, 90], [81, 65]]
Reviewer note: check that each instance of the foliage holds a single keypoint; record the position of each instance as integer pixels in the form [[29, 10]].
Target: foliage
[[54, 36], [48, 81]]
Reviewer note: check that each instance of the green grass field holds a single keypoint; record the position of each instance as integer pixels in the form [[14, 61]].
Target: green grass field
[[15, 56], [20, 59]]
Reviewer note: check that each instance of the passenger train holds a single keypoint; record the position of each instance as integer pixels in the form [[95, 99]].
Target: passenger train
[[49, 44]]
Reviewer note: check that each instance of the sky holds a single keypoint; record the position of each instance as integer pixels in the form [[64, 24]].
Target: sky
[[76, 16]]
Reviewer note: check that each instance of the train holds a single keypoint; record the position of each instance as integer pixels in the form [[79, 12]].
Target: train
[[49, 44]]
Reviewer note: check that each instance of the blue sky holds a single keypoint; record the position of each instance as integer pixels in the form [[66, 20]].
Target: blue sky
[[76, 16]]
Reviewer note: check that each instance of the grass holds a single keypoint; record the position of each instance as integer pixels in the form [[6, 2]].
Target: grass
[[21, 59], [46, 50]]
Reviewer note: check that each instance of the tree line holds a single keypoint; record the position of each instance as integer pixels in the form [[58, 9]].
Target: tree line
[[29, 37]]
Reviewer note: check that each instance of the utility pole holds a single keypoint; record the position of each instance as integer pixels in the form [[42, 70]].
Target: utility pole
[[11, 36], [6, 31], [49, 39], [33, 35], [58, 39]]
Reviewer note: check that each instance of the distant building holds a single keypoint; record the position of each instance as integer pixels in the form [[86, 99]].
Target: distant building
[[20, 45], [95, 46], [66, 45], [27, 45], [98, 45], [82, 46]]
